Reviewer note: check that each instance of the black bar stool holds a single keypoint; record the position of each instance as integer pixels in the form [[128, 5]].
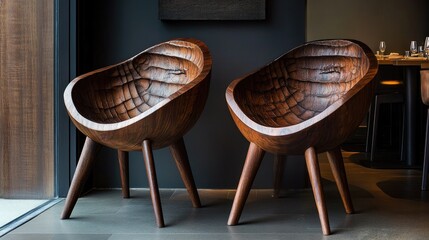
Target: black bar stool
[[388, 91], [424, 76]]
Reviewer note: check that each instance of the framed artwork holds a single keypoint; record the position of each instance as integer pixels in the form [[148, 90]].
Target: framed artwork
[[212, 9]]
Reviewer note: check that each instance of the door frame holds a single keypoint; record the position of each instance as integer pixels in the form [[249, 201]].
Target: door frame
[[65, 69]]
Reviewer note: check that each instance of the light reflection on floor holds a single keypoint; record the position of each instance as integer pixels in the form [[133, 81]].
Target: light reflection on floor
[[11, 209]]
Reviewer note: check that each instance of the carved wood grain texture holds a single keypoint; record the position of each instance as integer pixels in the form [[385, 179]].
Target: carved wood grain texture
[[295, 99], [158, 95], [146, 102], [307, 101], [26, 99]]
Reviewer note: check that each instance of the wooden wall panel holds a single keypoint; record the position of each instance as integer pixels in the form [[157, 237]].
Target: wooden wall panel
[[26, 99]]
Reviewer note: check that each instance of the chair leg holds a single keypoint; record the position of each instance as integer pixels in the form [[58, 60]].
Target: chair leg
[[84, 166], [251, 166], [124, 171], [337, 166], [426, 157], [369, 125], [403, 134], [374, 129], [178, 150], [279, 161], [316, 184], [153, 184]]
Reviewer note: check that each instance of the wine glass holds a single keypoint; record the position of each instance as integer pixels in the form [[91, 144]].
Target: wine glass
[[426, 47], [382, 47], [413, 47]]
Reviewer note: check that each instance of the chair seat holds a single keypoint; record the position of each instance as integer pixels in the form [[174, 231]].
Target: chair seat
[[121, 105]]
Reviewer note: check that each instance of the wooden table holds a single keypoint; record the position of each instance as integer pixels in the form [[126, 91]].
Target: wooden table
[[411, 68]]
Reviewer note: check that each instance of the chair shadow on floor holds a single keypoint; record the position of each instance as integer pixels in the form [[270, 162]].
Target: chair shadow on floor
[[404, 188]]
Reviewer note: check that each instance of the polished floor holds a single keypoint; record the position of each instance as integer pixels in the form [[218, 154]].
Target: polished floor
[[388, 203], [12, 209]]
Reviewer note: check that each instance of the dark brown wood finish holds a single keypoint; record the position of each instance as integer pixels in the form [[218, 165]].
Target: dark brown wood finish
[[424, 77], [84, 166], [124, 172], [147, 102], [251, 166], [153, 182], [316, 184], [312, 98], [294, 117], [169, 81], [178, 150], [27, 99], [336, 162]]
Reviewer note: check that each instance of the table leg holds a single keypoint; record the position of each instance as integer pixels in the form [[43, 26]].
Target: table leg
[[411, 89]]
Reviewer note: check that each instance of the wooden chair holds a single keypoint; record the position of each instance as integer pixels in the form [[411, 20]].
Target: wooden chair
[[424, 77], [147, 102], [305, 102]]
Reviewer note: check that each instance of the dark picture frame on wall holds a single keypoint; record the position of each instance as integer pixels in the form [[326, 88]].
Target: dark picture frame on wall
[[212, 9]]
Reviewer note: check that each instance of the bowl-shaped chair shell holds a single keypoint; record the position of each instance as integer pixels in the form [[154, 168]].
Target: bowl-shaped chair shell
[[313, 96], [157, 95]]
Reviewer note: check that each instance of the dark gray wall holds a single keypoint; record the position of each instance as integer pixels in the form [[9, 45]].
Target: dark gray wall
[[112, 30], [397, 22]]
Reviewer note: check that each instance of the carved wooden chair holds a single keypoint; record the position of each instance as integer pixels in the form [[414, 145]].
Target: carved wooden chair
[[305, 102], [424, 77], [147, 102]]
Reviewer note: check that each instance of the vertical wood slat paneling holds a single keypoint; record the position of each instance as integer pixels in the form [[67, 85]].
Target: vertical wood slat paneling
[[26, 99]]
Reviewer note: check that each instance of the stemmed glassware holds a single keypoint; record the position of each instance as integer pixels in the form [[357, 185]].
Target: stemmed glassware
[[382, 47], [413, 47], [426, 47]]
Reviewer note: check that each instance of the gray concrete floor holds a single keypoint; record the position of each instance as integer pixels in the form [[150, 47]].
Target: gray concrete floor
[[388, 203]]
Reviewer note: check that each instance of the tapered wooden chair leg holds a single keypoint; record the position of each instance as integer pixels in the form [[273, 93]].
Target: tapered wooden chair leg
[[279, 161], [316, 184], [337, 166], [84, 166], [124, 171], [153, 183], [251, 166], [178, 150]]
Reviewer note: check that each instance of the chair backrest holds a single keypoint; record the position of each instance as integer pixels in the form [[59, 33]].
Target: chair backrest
[[302, 83], [125, 90], [424, 79], [157, 95], [313, 96]]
